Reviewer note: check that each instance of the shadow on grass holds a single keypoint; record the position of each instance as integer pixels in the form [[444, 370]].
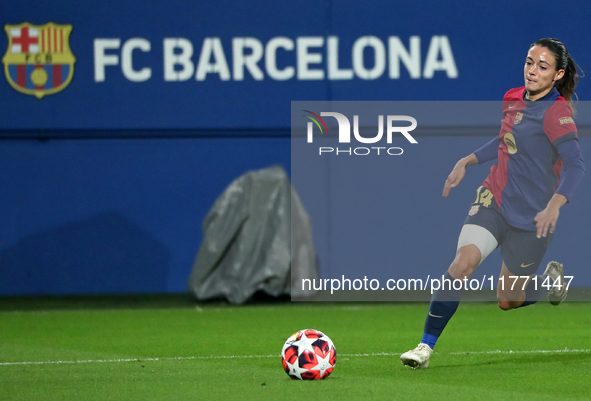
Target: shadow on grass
[[566, 357], [122, 301]]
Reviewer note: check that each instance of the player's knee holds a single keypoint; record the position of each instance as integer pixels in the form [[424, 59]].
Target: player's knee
[[505, 305], [462, 267]]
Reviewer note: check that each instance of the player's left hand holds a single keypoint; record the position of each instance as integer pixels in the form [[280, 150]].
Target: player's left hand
[[545, 221]]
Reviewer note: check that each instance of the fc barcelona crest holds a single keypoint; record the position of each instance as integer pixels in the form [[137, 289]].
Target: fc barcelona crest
[[518, 118], [38, 60]]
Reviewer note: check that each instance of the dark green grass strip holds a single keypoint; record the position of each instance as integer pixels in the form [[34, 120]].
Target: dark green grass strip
[[211, 334]]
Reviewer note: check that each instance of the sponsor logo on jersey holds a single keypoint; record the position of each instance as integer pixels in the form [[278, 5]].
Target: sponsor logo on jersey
[[518, 118], [566, 120], [509, 141], [38, 60]]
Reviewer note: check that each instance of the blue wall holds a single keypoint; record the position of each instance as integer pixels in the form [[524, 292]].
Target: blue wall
[[113, 216], [475, 50], [104, 185]]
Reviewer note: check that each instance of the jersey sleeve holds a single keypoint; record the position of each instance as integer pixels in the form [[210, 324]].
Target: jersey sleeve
[[559, 125], [573, 168], [488, 151]]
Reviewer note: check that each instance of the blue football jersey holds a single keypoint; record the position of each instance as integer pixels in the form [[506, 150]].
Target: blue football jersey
[[528, 169]]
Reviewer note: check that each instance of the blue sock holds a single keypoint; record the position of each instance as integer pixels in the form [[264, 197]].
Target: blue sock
[[444, 303], [534, 291], [429, 339]]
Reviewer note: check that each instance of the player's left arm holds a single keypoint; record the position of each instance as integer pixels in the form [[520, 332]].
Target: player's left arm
[[546, 219], [563, 134]]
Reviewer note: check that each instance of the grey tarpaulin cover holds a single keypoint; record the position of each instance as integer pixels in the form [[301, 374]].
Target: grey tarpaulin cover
[[248, 237]]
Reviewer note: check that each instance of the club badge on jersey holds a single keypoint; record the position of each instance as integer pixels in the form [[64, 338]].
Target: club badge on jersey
[[38, 60]]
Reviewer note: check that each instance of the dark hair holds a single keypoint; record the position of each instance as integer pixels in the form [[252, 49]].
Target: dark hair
[[567, 84]]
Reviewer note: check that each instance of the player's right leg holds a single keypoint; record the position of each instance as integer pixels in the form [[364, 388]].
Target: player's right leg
[[477, 240], [474, 244], [444, 303]]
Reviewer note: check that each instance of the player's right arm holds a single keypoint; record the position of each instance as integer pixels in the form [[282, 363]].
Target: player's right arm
[[487, 152], [458, 173]]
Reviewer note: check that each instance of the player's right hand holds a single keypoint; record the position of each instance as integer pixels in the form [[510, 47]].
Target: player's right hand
[[458, 173], [454, 178]]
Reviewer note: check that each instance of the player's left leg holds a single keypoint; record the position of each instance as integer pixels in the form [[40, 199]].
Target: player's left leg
[[522, 253], [511, 289], [517, 291], [557, 293]]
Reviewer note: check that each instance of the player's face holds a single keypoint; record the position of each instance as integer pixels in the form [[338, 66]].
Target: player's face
[[540, 72]]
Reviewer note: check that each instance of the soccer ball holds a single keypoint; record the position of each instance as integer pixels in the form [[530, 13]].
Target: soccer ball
[[308, 355]]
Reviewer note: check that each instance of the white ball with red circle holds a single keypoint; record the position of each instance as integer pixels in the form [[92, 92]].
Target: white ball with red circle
[[308, 355]]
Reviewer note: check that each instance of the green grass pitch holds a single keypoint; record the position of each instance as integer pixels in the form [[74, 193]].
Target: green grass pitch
[[212, 351]]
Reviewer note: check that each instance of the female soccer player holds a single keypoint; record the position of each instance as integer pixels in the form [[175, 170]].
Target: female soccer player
[[518, 204]]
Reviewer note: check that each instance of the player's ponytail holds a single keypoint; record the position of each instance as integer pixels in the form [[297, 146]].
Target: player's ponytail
[[567, 84]]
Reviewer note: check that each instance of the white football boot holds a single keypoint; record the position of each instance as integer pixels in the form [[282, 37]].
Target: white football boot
[[558, 292], [417, 358]]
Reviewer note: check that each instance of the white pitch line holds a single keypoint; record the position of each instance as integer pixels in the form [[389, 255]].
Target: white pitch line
[[181, 358], [539, 351], [176, 358]]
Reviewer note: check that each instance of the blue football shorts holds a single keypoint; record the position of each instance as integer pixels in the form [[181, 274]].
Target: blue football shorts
[[521, 250]]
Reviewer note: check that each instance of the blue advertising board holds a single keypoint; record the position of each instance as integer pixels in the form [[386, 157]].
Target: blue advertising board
[[149, 109], [158, 65]]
